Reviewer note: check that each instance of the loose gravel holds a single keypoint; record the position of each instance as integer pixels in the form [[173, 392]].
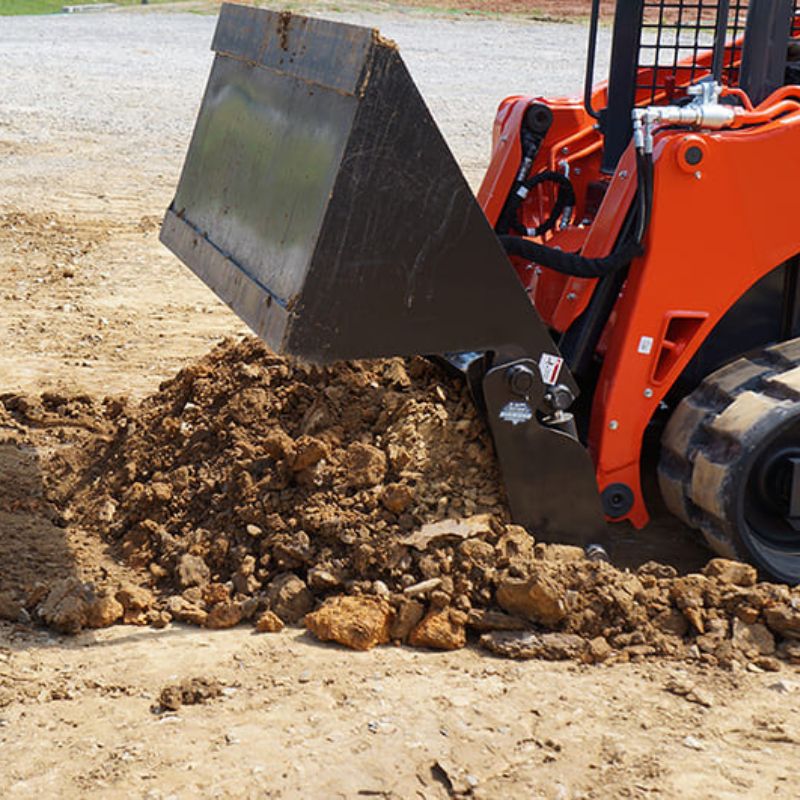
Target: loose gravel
[[131, 76]]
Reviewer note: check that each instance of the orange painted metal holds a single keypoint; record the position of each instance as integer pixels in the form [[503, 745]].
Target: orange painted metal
[[717, 228], [715, 231]]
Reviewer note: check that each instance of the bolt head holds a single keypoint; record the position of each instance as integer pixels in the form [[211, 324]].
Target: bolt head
[[521, 380], [648, 393], [613, 425], [560, 397]]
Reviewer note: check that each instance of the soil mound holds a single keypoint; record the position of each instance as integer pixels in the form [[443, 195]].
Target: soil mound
[[364, 499]]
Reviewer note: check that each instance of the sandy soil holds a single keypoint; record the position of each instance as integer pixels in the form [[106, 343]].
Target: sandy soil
[[91, 139], [299, 719]]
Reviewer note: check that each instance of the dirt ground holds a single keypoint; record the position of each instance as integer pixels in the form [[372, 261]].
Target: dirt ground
[[94, 306]]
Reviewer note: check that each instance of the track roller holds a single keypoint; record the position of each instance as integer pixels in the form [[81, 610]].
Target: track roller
[[730, 460]]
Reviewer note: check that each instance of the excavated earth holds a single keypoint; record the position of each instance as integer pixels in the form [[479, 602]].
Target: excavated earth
[[362, 500]]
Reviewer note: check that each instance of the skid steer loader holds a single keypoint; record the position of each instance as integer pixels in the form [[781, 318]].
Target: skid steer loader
[[628, 272]]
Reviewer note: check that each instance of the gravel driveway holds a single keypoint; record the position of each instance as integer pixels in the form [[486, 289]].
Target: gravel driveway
[[137, 77]]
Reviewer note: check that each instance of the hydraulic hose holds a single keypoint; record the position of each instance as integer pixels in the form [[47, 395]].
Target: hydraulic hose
[[571, 263], [581, 266], [564, 200]]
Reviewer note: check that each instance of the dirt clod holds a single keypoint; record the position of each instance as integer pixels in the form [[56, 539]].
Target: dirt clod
[[360, 623], [731, 572], [269, 623], [188, 693], [537, 598], [289, 598], [442, 629]]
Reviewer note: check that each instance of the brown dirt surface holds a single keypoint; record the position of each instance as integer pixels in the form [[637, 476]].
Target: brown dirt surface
[[251, 484], [95, 306]]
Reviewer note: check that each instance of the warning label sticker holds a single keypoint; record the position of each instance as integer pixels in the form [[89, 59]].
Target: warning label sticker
[[550, 368]]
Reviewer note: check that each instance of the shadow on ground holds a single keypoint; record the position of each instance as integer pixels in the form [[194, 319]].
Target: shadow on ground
[[33, 548]]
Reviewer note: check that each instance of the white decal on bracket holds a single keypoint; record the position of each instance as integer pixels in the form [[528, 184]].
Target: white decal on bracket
[[550, 368]]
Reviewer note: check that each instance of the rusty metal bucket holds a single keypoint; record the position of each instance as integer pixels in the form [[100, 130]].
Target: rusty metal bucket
[[320, 201]]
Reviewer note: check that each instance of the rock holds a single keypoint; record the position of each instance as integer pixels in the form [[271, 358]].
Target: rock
[[289, 598], [690, 692], [103, 611], [459, 781], [159, 619], [279, 445], [784, 687], [365, 465], [693, 743], [694, 616], [476, 553], [656, 570], [482, 620], [249, 606], [515, 546], [790, 651], [444, 629], [10, 608], [734, 572], [783, 619], [407, 615], [559, 552], [449, 529], [308, 452], [748, 614], [360, 623], [395, 371], [66, 606], [184, 611], [37, 593], [423, 587], [767, 663], [598, 650], [672, 622], [196, 595], [397, 497], [192, 571], [227, 614], [538, 598], [687, 593], [161, 492], [136, 602], [322, 580], [753, 639], [269, 623], [189, 692], [547, 646]]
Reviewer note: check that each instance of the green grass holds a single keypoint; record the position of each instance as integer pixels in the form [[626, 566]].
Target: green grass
[[16, 7]]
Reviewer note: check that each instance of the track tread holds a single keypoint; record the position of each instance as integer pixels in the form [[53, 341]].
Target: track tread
[[710, 429]]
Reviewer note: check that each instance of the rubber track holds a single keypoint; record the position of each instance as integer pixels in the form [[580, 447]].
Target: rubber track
[[713, 426]]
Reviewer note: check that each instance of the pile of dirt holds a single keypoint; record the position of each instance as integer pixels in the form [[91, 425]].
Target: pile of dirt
[[364, 499]]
